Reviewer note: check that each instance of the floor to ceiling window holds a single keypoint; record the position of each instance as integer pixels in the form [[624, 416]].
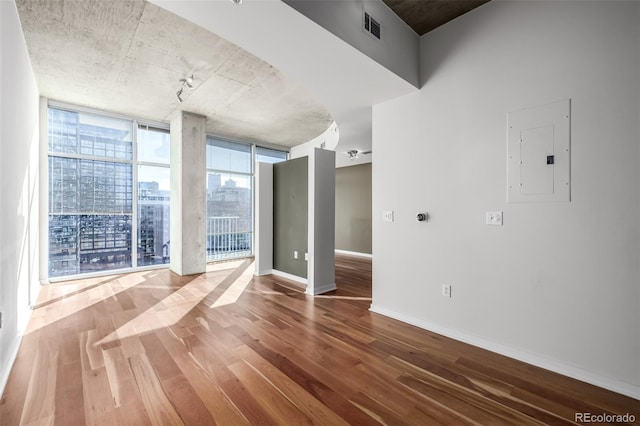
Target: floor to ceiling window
[[109, 193], [229, 199], [153, 176], [90, 192]]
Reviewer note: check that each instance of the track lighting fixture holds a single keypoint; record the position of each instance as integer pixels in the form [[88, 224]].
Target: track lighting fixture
[[237, 2], [185, 82]]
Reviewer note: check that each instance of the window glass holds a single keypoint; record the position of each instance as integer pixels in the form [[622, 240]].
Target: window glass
[[266, 155], [90, 200], [228, 156], [88, 243], [154, 145], [89, 135], [229, 215], [153, 215]]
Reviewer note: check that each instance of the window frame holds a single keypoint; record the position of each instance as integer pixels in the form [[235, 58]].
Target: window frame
[[251, 177], [136, 124]]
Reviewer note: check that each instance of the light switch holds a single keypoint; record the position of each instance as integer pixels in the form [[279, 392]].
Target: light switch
[[387, 216], [494, 218]]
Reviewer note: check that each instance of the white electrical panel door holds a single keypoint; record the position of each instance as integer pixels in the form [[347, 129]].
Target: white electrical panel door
[[536, 145], [538, 154]]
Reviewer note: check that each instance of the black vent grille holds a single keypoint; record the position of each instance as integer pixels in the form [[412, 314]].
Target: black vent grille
[[371, 26], [375, 28]]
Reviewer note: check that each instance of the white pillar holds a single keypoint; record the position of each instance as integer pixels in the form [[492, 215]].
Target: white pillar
[[188, 194], [322, 219], [264, 219]]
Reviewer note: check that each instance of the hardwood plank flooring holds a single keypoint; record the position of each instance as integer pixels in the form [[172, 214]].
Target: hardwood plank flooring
[[224, 347]]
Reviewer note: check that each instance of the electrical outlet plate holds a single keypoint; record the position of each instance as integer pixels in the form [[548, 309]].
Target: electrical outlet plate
[[295, 254], [387, 216], [494, 218]]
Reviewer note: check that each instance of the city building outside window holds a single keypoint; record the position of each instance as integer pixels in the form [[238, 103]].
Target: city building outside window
[[98, 166], [90, 193], [229, 199], [154, 189]]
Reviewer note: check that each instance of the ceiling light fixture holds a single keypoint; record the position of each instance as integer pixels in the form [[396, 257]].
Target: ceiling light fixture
[[237, 2], [185, 82]]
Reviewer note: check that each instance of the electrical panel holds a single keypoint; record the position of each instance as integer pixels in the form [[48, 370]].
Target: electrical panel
[[538, 154]]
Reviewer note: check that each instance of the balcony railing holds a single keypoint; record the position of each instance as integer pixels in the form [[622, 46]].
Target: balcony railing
[[224, 240]]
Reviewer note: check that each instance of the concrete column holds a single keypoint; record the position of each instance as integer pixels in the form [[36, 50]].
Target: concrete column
[[188, 194]]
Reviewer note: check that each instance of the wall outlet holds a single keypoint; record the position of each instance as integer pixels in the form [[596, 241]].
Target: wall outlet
[[494, 218], [295, 254], [387, 216], [306, 256], [446, 290]]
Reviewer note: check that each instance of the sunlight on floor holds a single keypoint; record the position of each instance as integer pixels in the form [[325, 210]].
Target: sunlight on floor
[[235, 290], [170, 310], [63, 300]]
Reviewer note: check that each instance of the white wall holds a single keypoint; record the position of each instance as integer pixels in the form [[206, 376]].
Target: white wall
[[329, 138], [19, 135], [321, 275], [397, 48], [558, 284], [264, 219]]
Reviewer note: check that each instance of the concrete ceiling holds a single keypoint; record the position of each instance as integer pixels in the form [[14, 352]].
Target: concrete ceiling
[[128, 57], [426, 15], [342, 78]]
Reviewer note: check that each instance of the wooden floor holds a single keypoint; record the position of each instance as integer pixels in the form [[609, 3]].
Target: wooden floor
[[227, 348]]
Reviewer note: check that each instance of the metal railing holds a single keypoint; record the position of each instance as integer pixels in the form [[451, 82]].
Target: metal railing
[[224, 240]]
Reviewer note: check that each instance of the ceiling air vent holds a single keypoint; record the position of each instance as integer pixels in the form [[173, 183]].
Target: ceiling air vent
[[371, 26]]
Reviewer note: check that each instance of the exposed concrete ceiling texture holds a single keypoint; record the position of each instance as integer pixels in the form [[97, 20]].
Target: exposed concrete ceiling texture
[[128, 56]]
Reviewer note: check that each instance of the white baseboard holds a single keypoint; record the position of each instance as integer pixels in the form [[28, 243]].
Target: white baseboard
[[12, 353], [290, 276], [538, 360], [354, 253]]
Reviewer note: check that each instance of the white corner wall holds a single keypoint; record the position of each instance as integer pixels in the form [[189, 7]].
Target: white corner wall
[[264, 219], [321, 277], [19, 179], [559, 284]]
